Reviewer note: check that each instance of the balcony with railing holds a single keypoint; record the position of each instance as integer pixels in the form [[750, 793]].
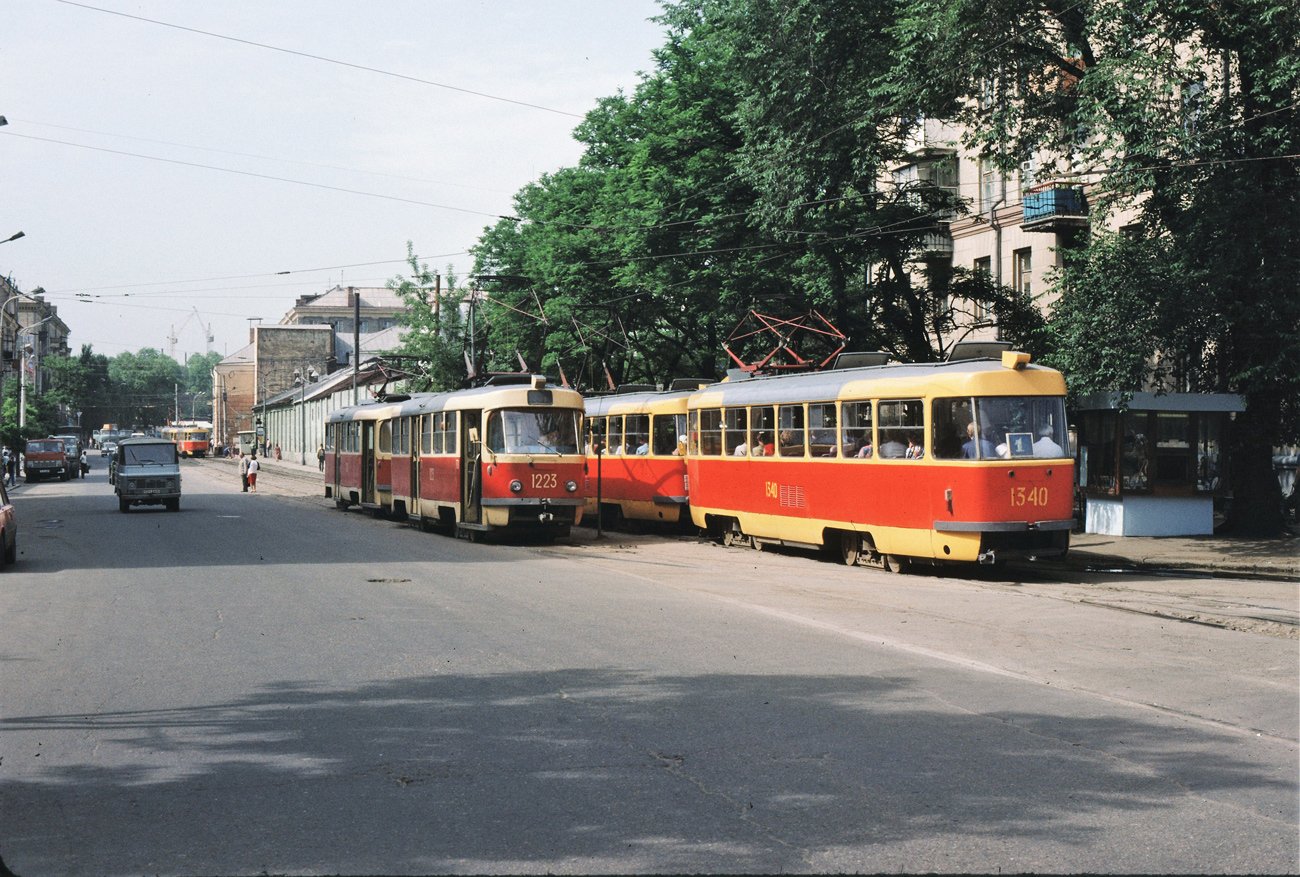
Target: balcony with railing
[[1054, 207]]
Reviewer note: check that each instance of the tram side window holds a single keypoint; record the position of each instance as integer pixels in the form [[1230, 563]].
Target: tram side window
[[638, 433], [614, 435], [762, 422], [790, 431], [669, 434], [449, 434], [736, 440], [329, 436], [711, 432], [901, 424], [385, 436], [404, 436], [855, 435], [595, 431], [955, 434], [821, 429]]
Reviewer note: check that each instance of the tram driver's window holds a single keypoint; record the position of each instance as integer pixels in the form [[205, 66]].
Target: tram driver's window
[[711, 432], [901, 427], [855, 432], [790, 431]]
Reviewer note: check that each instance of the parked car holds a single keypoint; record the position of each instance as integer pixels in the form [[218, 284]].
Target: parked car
[[8, 528], [147, 471]]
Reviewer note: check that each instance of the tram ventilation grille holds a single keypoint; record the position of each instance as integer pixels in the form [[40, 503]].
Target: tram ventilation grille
[[792, 497]]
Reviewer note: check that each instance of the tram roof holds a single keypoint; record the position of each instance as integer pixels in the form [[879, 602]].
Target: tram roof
[[492, 395], [632, 403], [964, 377]]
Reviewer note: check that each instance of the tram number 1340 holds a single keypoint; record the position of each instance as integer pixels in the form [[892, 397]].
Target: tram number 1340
[[1023, 496]]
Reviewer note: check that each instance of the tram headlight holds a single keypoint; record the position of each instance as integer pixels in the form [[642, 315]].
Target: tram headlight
[[516, 486], [571, 486]]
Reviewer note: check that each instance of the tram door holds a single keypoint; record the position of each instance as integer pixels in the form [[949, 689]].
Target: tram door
[[419, 427], [471, 469], [367, 461]]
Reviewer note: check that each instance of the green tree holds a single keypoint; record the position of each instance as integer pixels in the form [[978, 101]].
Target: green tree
[[1186, 113], [147, 383], [434, 341], [198, 385]]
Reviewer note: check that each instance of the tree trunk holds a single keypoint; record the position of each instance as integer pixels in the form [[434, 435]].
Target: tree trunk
[[1256, 494]]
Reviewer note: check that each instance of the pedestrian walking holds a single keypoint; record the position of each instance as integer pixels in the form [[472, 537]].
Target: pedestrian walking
[[243, 471], [320, 457], [252, 473]]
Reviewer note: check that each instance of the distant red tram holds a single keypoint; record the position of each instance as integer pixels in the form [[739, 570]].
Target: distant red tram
[[502, 457]]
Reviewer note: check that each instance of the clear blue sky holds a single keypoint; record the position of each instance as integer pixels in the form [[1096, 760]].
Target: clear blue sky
[[129, 247]]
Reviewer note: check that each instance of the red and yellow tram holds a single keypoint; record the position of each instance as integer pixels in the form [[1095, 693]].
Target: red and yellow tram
[[642, 471], [963, 461], [501, 457], [191, 441]]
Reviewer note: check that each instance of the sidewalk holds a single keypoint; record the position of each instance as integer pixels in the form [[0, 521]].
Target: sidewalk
[[1274, 558], [1277, 558]]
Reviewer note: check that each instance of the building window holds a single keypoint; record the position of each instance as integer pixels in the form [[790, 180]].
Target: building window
[[988, 185], [1022, 269]]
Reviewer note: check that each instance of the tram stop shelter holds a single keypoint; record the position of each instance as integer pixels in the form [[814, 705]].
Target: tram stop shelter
[[1152, 465]]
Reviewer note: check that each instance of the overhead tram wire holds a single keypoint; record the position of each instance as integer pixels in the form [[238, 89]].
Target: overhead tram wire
[[321, 58]]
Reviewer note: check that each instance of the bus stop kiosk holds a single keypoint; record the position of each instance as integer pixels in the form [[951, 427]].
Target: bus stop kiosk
[[1152, 465]]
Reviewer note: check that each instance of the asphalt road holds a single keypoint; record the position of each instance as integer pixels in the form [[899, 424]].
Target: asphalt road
[[261, 683]]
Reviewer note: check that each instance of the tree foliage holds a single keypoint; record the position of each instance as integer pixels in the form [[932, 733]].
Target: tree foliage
[[1185, 114], [434, 341]]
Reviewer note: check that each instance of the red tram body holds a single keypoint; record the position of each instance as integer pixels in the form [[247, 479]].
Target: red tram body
[[960, 461], [503, 456], [642, 471], [191, 441]]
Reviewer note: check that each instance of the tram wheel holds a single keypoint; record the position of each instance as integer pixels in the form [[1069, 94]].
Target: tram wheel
[[753, 541], [731, 537], [894, 563], [850, 548]]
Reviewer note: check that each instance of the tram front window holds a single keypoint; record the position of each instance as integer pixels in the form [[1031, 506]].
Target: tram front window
[[1000, 427], [530, 431]]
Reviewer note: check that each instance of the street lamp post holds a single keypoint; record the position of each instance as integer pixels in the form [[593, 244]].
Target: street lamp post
[[303, 376], [27, 350]]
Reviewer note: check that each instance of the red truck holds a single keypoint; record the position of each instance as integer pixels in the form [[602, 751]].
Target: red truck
[[46, 458]]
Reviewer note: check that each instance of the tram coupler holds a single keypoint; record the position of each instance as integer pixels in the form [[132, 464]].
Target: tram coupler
[[546, 518], [988, 558]]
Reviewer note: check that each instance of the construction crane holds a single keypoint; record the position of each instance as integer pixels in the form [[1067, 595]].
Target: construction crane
[[207, 333]]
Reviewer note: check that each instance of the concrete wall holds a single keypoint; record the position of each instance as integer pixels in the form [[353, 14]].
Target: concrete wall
[[1151, 516]]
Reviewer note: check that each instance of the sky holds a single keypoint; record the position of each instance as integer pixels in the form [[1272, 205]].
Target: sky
[[178, 167]]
